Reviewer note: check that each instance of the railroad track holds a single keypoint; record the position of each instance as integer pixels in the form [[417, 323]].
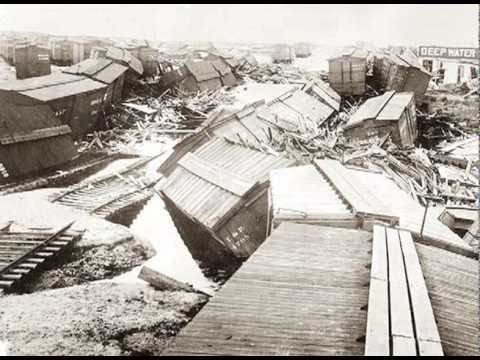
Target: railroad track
[[23, 253], [109, 194]]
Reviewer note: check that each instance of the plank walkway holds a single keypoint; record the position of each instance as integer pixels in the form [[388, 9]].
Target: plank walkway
[[109, 194], [400, 315], [303, 292]]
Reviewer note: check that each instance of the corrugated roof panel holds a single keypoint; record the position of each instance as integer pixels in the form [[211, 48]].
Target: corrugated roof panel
[[209, 203], [63, 90], [395, 107]]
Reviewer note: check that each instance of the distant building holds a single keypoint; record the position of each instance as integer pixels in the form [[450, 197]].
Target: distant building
[[283, 54], [450, 65]]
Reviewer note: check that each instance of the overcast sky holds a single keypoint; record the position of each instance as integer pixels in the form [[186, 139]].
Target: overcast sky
[[403, 24]]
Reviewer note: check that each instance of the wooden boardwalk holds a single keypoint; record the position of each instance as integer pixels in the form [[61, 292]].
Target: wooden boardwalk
[[303, 292]]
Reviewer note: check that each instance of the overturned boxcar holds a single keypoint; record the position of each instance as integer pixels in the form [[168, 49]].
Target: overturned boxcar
[[218, 198]]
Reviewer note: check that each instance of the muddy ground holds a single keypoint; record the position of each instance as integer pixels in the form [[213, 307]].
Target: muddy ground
[[86, 265], [95, 319]]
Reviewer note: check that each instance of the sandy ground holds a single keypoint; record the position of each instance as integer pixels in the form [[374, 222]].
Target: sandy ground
[[95, 319]]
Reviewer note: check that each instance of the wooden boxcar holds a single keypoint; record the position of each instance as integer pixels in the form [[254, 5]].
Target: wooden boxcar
[[31, 61], [75, 100], [32, 139], [347, 73], [221, 190], [391, 113], [61, 52]]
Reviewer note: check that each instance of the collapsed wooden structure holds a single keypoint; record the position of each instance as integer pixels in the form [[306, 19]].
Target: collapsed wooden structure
[[391, 114], [218, 196]]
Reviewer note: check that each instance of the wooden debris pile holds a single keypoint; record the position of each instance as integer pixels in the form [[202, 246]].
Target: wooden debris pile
[[152, 118]]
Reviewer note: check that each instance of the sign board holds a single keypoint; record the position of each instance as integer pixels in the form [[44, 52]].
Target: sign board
[[448, 52]]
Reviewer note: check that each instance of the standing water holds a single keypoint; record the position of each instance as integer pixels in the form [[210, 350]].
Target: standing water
[[154, 226]]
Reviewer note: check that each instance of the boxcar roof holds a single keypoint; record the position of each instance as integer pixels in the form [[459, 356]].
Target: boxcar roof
[[201, 70], [211, 181], [63, 90], [298, 106], [104, 70], [395, 106], [53, 86], [370, 109]]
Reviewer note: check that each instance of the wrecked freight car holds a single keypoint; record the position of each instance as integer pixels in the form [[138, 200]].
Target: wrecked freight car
[[218, 198], [32, 138], [75, 100], [395, 72], [389, 114]]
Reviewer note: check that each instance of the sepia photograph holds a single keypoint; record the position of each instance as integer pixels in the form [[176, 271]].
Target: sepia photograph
[[239, 179]]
